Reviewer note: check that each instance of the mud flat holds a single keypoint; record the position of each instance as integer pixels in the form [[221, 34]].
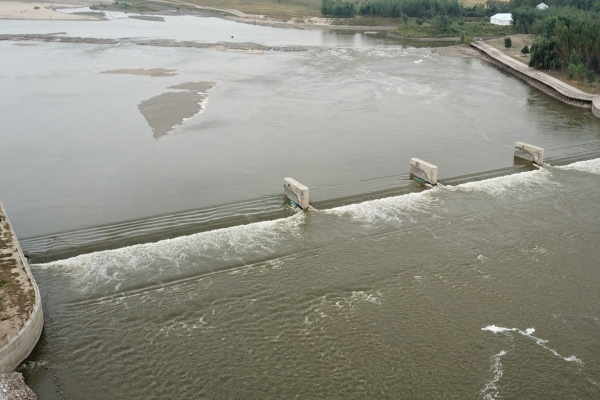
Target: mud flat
[[165, 111], [248, 47], [39, 10], [153, 72]]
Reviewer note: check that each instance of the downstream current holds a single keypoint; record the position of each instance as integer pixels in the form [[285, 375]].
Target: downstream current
[[478, 290]]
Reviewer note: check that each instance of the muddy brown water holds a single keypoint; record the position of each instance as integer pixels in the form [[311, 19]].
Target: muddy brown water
[[481, 289]]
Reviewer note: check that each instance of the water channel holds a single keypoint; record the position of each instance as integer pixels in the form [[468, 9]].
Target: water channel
[[480, 290]]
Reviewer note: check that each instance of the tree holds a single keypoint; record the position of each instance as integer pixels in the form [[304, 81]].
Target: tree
[[337, 8], [525, 49], [441, 23], [577, 71], [507, 42]]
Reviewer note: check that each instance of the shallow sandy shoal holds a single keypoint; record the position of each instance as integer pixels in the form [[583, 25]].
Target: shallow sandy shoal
[[154, 72], [44, 10]]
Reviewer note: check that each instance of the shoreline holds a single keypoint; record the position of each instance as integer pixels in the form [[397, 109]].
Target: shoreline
[[43, 10], [538, 79], [36, 10]]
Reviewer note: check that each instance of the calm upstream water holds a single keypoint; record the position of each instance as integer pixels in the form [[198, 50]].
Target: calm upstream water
[[482, 290]]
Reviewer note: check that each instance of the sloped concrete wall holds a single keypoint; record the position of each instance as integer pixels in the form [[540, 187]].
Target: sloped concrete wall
[[596, 106], [22, 341]]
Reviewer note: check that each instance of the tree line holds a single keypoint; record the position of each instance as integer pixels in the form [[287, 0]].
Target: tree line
[[392, 8], [567, 35], [568, 32]]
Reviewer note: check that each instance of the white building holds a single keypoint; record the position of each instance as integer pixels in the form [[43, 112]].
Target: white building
[[501, 19], [542, 6]]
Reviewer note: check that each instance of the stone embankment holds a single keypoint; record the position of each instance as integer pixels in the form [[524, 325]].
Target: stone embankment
[[13, 387], [538, 79], [21, 315], [232, 46]]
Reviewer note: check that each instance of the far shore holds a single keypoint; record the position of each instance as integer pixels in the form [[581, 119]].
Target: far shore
[[36, 10]]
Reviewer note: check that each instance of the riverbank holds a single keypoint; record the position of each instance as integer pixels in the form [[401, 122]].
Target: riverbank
[[534, 77], [17, 294], [43, 10], [47, 11], [21, 316]]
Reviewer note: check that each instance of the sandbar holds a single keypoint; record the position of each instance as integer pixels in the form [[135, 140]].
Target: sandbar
[[41, 10], [154, 72], [165, 111]]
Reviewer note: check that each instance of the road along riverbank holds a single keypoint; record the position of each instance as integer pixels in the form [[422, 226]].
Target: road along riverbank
[[538, 79]]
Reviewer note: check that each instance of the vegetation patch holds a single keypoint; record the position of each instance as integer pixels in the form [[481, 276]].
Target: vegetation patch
[[445, 27], [129, 6]]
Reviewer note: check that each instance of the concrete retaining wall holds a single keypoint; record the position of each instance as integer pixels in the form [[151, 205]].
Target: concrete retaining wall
[[537, 79], [21, 342], [596, 107]]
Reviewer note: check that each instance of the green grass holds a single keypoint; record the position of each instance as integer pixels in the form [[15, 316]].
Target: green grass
[[274, 8], [283, 9], [367, 21], [469, 28], [135, 6]]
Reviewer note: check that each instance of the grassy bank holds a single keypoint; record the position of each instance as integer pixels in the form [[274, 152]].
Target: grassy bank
[[272, 8], [468, 28], [298, 9], [279, 9]]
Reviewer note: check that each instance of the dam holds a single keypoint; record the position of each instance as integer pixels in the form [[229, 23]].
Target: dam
[[484, 286]]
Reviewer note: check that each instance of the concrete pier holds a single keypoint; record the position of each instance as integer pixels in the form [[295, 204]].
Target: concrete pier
[[423, 171], [529, 152], [296, 192], [21, 315]]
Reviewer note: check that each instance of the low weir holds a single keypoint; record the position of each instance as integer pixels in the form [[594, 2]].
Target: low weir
[[63, 245]]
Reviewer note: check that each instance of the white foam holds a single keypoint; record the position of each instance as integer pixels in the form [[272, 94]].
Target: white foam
[[497, 329], [490, 391], [591, 166], [529, 333], [501, 185], [233, 244], [398, 208]]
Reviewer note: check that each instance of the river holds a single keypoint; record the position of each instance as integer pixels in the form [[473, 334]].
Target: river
[[482, 289]]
